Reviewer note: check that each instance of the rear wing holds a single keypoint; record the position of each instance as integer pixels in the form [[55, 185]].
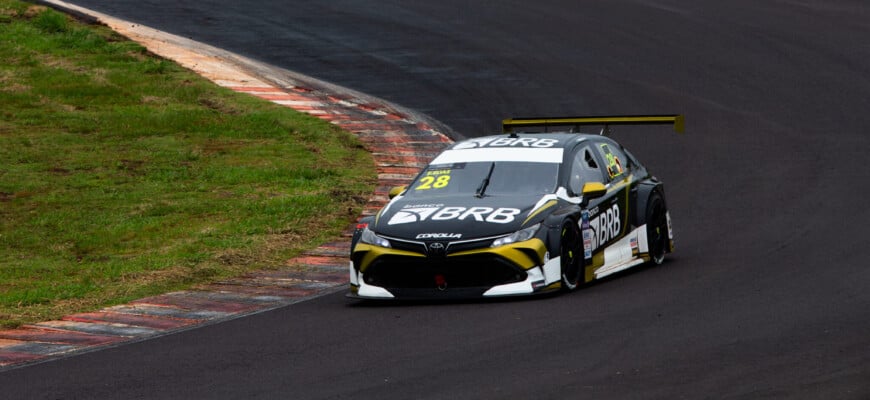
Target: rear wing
[[509, 124]]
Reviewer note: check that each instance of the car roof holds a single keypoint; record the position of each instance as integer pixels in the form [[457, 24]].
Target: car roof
[[518, 147], [564, 140]]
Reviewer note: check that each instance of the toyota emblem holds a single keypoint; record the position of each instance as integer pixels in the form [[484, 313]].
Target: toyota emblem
[[436, 249]]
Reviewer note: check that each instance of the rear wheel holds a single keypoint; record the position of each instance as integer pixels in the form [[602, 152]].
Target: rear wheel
[[570, 255], [656, 228]]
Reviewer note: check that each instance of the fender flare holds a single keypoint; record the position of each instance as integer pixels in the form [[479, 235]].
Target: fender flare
[[553, 223], [644, 192]]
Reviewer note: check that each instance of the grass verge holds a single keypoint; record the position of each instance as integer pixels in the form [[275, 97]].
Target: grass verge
[[124, 175]]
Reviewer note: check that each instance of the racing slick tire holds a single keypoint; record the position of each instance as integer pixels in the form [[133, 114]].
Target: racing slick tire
[[570, 255], [656, 228]]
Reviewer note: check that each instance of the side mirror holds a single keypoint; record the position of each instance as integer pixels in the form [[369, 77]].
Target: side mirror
[[397, 190], [593, 190]]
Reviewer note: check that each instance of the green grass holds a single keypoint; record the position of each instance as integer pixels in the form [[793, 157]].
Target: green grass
[[124, 175]]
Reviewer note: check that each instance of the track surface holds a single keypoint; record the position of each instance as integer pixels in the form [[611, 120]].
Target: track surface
[[766, 297]]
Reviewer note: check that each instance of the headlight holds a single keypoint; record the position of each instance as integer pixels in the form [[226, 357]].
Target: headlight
[[518, 236], [370, 237]]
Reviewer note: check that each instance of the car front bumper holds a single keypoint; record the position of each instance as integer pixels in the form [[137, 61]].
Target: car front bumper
[[517, 269]]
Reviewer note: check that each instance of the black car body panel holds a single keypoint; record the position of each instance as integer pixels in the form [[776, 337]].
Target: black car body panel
[[512, 215]]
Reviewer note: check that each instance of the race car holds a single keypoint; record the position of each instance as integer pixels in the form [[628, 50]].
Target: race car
[[514, 214]]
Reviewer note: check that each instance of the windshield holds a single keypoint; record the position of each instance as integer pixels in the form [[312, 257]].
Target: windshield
[[485, 179]]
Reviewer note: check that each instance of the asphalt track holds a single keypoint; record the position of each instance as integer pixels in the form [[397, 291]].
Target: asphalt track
[[766, 297]]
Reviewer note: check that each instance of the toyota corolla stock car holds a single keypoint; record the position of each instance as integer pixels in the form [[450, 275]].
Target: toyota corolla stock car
[[516, 214]]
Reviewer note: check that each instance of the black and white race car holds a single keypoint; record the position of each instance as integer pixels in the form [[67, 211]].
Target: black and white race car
[[516, 214]]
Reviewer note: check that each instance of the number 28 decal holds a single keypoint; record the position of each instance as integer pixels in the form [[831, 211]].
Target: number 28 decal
[[431, 182]]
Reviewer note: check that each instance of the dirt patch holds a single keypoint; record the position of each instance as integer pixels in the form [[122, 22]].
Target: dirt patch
[[219, 106], [131, 167], [155, 100], [347, 195], [59, 171], [235, 258], [33, 11]]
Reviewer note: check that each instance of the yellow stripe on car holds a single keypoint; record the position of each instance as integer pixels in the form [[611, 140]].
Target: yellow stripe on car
[[518, 253], [373, 252], [546, 205]]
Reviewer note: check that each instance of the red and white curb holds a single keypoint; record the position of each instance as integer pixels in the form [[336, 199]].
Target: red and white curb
[[400, 143]]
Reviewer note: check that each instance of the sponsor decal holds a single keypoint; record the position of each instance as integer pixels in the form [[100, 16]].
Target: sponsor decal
[[411, 214], [506, 142], [423, 205], [614, 165], [587, 235], [439, 236], [434, 179], [601, 229]]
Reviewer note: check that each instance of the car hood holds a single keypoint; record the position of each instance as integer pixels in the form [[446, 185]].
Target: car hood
[[456, 217]]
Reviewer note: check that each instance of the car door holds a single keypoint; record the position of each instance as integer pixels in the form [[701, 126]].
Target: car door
[[608, 215]]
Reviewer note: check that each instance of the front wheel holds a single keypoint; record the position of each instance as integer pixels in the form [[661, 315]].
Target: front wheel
[[656, 228], [570, 255]]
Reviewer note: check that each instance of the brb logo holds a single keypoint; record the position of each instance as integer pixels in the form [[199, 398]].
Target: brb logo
[[506, 142], [605, 226], [437, 212]]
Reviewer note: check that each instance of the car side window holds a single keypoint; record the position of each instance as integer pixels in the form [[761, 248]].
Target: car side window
[[616, 163], [584, 168]]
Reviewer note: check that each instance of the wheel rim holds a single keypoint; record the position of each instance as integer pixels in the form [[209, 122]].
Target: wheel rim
[[570, 257], [658, 234]]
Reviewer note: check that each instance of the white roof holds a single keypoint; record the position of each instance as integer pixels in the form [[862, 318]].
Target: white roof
[[541, 155]]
